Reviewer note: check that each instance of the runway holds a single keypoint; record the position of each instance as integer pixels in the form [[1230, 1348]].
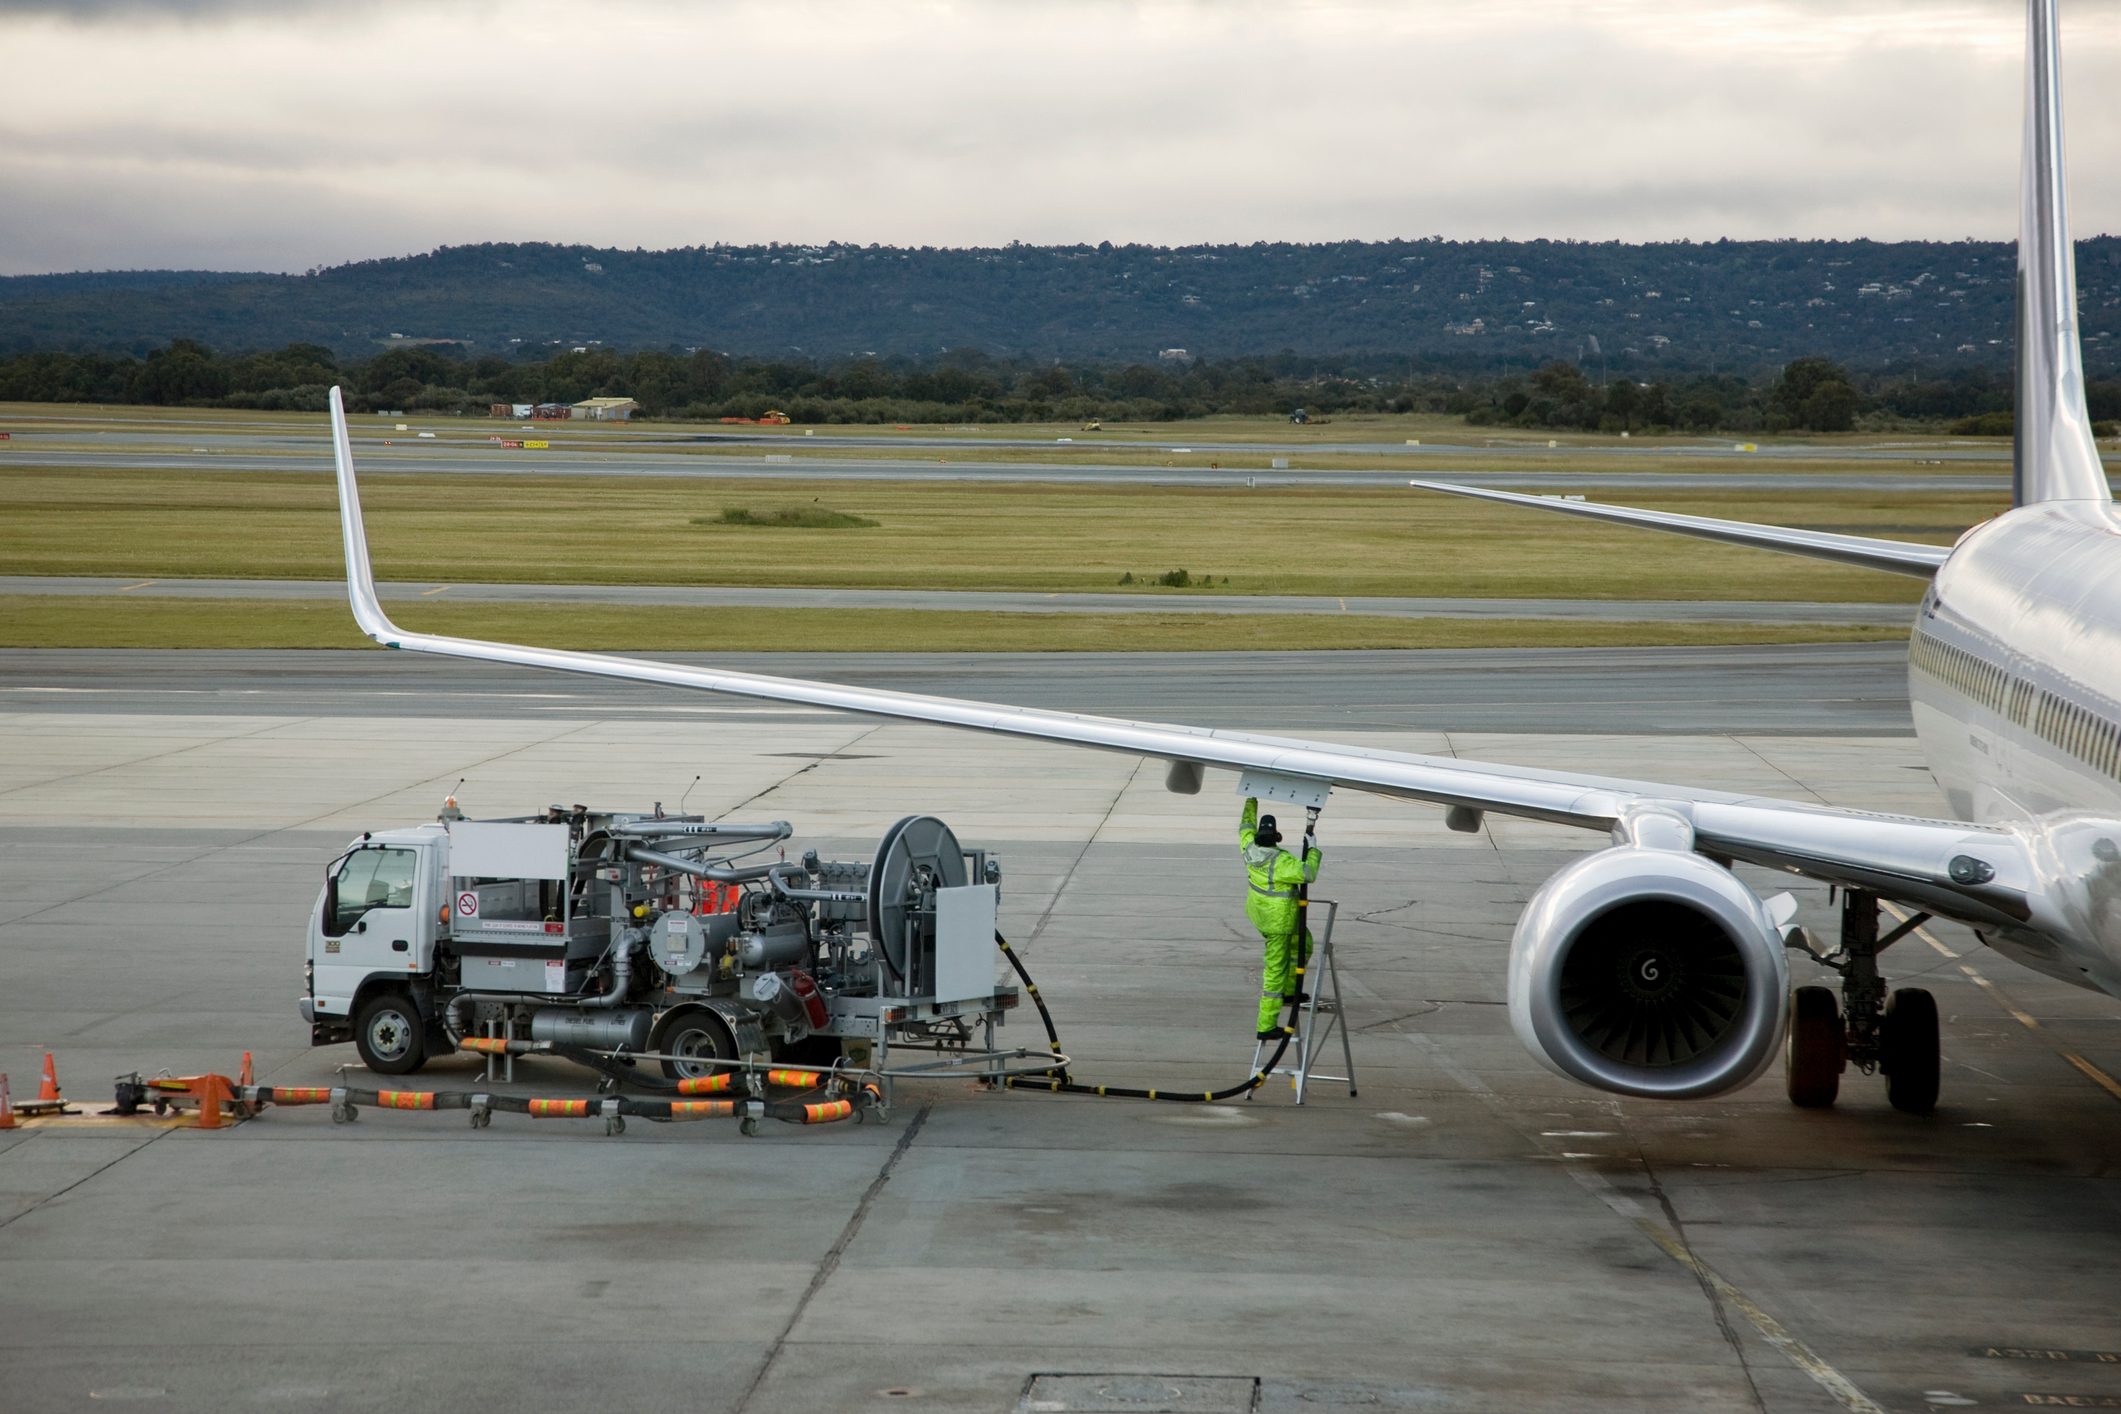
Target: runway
[[1468, 1233], [223, 434], [479, 459], [1847, 689], [988, 602]]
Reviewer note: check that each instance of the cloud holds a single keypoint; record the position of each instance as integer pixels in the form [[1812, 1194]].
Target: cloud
[[90, 12], [274, 136]]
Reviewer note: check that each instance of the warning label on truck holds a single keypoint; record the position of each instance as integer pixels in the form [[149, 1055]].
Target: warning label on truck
[[556, 976]]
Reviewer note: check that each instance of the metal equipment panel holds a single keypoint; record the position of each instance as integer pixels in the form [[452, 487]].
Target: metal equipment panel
[[964, 942], [491, 850], [1305, 791], [511, 974]]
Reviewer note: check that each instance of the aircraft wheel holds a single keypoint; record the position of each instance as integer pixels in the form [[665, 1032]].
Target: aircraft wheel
[[1911, 1050], [1817, 1049]]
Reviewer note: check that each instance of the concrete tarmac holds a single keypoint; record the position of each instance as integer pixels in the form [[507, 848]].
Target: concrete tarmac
[[694, 596], [1466, 1233]]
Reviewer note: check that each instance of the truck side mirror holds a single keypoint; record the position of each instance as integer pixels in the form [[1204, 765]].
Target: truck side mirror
[[331, 904]]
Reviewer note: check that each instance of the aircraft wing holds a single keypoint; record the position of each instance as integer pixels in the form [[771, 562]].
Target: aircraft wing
[[1976, 873], [1895, 556]]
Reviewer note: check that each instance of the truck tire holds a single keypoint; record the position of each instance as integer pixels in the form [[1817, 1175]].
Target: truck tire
[[692, 1031], [390, 1035]]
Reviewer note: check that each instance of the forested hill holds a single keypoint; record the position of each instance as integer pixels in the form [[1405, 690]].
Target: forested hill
[[1729, 305]]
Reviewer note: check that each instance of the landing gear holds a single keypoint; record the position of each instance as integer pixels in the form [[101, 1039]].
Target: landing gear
[[1894, 1034], [1817, 1051], [1909, 1051]]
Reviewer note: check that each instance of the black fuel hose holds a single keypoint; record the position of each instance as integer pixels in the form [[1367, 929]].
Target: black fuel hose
[[623, 1072], [1060, 1082], [859, 1099]]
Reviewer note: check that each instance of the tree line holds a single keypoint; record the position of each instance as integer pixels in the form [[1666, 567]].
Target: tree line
[[1807, 394], [1657, 310]]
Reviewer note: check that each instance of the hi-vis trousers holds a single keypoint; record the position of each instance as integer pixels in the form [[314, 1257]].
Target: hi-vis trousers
[[1277, 985]]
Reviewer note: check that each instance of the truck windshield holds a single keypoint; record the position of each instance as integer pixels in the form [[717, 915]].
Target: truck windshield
[[371, 878]]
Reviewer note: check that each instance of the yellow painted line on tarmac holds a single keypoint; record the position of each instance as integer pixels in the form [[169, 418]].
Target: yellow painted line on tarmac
[[1773, 1331], [438, 589], [1674, 1245], [141, 585], [2017, 1013], [2097, 1076]]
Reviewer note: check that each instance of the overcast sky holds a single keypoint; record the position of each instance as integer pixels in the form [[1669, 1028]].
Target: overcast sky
[[279, 134]]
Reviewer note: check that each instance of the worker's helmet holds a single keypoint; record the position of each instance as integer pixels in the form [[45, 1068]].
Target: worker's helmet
[[1267, 833]]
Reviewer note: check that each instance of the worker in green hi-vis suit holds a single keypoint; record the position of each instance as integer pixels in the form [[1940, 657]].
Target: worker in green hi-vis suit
[[1273, 876]]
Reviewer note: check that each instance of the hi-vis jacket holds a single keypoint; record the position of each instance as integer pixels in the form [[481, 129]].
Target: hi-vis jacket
[[1272, 875]]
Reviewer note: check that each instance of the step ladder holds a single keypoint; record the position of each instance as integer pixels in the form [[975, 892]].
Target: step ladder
[[1322, 981]]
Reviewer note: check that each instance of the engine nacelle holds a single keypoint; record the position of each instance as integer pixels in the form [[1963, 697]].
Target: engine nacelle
[[1649, 972]]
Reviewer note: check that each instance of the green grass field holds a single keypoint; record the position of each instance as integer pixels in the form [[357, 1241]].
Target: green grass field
[[1325, 540], [115, 621]]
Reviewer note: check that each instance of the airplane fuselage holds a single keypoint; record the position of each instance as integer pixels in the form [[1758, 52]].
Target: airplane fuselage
[[2014, 679]]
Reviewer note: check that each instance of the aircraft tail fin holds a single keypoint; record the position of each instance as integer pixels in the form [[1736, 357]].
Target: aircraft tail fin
[[360, 580], [2054, 457]]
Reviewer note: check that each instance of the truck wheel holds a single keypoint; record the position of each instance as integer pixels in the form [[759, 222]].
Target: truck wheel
[[697, 1036], [390, 1035]]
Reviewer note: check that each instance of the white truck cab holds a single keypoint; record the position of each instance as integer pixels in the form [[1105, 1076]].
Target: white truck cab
[[372, 936]]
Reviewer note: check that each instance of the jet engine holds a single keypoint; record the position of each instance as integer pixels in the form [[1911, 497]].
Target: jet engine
[[1649, 971]]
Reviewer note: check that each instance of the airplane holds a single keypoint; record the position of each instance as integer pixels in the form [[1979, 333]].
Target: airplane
[[1647, 967]]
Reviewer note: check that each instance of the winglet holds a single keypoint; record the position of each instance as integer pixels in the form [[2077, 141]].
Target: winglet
[[2054, 456], [360, 581]]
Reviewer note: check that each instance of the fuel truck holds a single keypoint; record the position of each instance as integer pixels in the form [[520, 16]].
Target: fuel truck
[[683, 942]]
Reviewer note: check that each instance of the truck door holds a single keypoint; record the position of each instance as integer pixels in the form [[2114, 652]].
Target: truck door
[[373, 919]]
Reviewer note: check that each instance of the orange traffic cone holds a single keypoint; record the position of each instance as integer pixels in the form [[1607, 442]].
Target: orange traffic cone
[[245, 1078], [7, 1106], [48, 1088]]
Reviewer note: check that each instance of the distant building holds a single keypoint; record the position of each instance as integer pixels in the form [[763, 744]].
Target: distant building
[[606, 409], [1174, 356]]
